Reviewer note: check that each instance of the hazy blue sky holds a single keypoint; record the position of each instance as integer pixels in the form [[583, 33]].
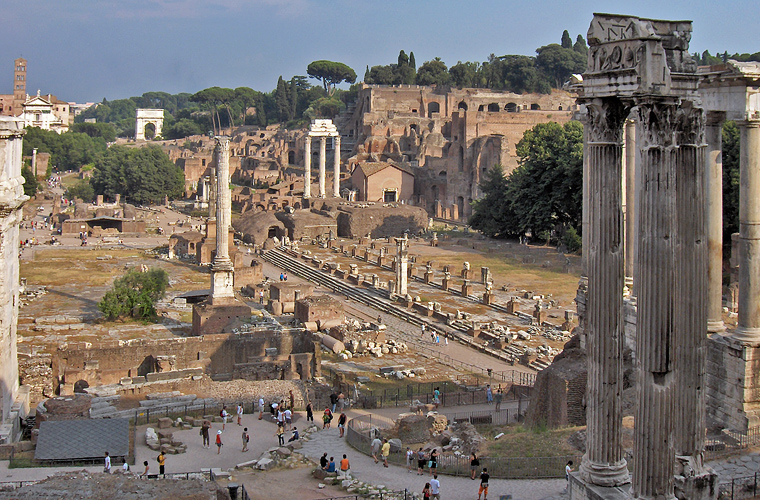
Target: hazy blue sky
[[84, 50]]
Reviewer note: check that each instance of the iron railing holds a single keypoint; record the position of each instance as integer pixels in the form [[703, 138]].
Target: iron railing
[[739, 488]]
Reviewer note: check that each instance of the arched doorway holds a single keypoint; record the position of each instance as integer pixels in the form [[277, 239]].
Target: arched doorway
[[434, 192], [273, 232], [80, 386], [511, 107], [494, 107], [462, 105], [291, 157], [460, 206], [149, 131], [535, 107], [433, 107]]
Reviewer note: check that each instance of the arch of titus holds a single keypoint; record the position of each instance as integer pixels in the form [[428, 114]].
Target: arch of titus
[[322, 129], [144, 116], [640, 69]]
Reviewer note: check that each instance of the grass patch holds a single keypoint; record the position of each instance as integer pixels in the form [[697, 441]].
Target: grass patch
[[57, 267], [519, 441]]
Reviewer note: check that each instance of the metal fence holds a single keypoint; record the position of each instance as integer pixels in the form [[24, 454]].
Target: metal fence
[[739, 488], [362, 430], [400, 494], [451, 395]]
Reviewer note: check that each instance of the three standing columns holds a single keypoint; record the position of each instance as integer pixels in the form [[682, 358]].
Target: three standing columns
[[603, 463], [748, 327]]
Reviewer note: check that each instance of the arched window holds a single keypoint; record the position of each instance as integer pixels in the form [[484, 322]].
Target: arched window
[[535, 107], [493, 107], [462, 105], [433, 107], [510, 107]]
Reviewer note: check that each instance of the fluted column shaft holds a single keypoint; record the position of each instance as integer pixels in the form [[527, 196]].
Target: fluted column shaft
[[307, 168], [656, 389], [322, 161], [748, 328], [603, 463], [714, 222], [630, 200], [336, 167]]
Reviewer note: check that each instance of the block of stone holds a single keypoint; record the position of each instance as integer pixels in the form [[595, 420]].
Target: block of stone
[[164, 423], [265, 464]]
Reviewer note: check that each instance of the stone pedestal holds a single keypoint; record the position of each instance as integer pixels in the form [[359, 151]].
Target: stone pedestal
[[466, 289], [428, 277], [488, 298], [512, 307]]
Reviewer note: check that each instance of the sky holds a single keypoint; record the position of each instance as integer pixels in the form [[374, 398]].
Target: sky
[[85, 50]]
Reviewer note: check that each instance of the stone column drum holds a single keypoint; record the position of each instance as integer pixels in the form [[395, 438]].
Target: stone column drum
[[307, 168], [322, 160], [603, 463]]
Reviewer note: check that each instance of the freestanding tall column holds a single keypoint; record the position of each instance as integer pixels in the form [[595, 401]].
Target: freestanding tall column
[[221, 268], [336, 167], [307, 168], [714, 221], [322, 160], [401, 265], [603, 463], [748, 327], [630, 201]]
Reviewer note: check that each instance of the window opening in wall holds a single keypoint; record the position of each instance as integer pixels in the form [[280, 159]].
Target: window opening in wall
[[510, 107], [433, 107], [535, 107], [493, 107], [390, 196], [462, 105], [480, 108]]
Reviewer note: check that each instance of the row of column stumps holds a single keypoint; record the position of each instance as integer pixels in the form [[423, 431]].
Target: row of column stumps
[[322, 129]]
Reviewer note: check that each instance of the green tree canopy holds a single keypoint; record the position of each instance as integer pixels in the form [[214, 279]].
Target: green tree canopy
[[134, 294], [567, 42], [544, 193], [433, 72], [330, 73], [68, 151], [558, 63], [30, 181], [141, 175]]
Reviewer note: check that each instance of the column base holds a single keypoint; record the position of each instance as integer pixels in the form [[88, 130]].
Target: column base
[[607, 475], [582, 490], [694, 481], [716, 326], [746, 334]]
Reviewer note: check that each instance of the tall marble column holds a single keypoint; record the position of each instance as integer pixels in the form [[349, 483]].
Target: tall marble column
[[603, 463], [630, 202], [402, 263], [691, 297], [336, 167], [714, 221], [221, 268], [658, 242], [748, 327], [322, 161], [307, 168]]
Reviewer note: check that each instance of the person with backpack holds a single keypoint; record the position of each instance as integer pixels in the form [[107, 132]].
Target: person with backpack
[[161, 459]]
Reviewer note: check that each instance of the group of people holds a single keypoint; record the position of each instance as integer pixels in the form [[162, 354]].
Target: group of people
[[330, 467], [435, 337], [491, 397]]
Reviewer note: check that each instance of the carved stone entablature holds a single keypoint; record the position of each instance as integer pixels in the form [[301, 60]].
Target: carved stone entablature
[[605, 118], [629, 55]]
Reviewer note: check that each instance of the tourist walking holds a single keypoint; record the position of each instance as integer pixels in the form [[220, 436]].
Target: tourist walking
[[474, 466], [261, 408], [205, 427], [437, 397], [386, 451], [333, 401], [409, 459], [489, 394], [292, 399], [422, 327], [246, 438], [161, 459], [326, 418], [375, 448], [219, 443], [288, 417], [224, 416], [420, 462], [341, 402], [568, 470], [240, 413], [435, 488], [426, 492], [483, 484], [309, 412], [345, 467], [498, 397], [107, 465], [342, 424]]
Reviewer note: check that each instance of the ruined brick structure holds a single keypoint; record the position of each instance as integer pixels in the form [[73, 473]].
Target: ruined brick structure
[[450, 137]]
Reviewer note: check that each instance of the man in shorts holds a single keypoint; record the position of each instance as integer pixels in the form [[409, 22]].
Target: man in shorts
[[483, 484], [435, 488]]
